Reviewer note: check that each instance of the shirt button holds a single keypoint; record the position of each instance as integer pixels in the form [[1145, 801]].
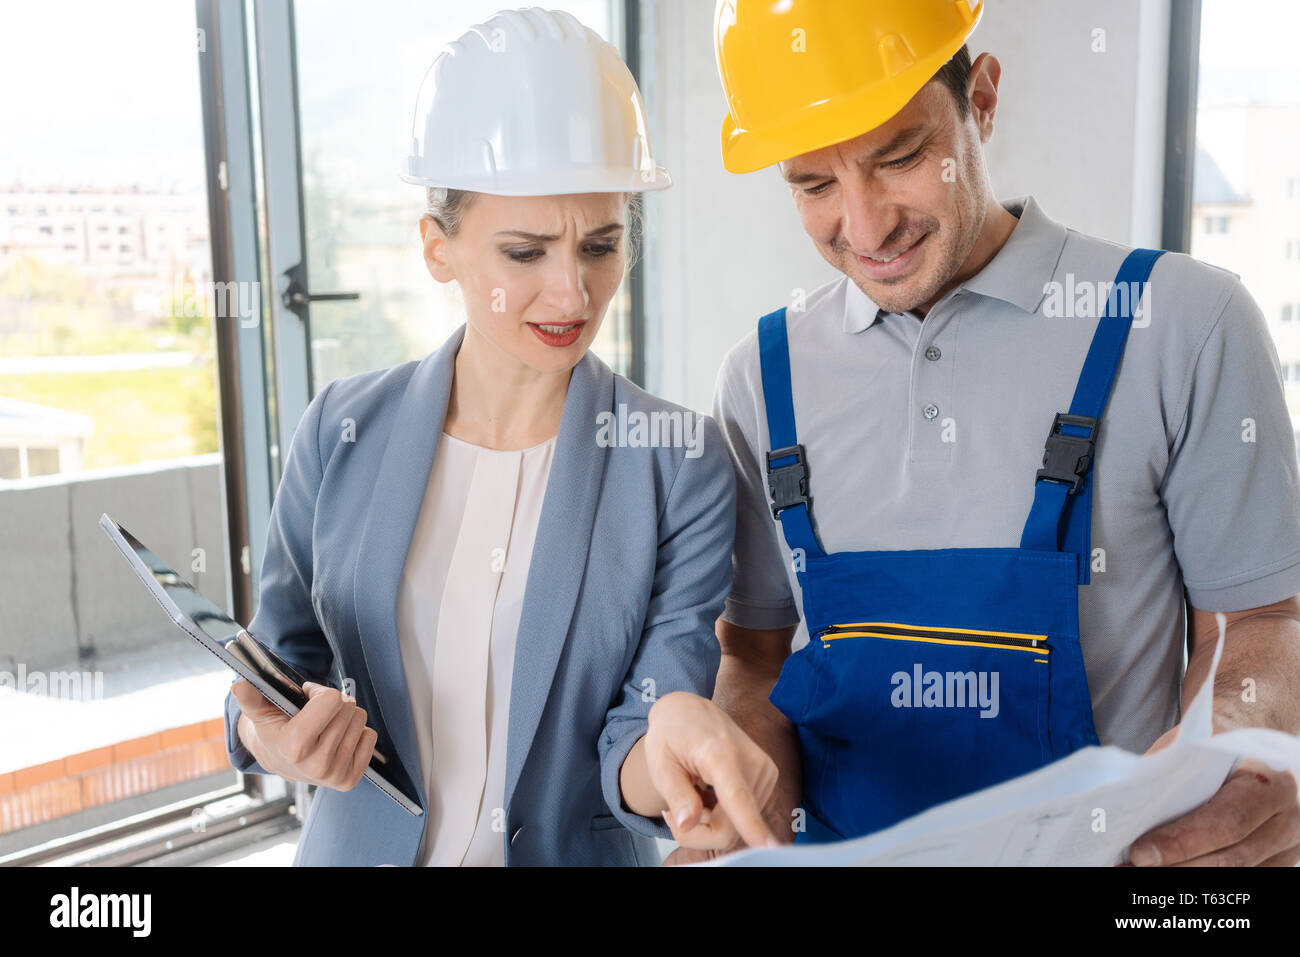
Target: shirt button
[[933, 353], [930, 411], [515, 836]]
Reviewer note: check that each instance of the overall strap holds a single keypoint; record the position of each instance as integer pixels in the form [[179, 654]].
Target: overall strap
[[1061, 516], [787, 470]]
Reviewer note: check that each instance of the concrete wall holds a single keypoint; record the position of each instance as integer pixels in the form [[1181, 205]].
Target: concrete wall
[[1082, 131], [66, 594]]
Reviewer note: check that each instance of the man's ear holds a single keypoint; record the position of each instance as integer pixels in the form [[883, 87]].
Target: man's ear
[[435, 250], [985, 73]]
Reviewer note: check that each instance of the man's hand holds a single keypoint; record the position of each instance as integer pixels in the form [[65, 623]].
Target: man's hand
[[1253, 819], [712, 776]]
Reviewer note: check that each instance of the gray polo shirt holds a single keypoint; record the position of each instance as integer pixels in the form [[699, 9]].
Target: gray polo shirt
[[927, 434]]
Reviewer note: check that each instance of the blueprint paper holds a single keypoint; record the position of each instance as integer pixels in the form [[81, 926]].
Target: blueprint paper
[[1083, 810]]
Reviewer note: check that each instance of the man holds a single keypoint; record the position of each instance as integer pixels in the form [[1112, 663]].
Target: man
[[918, 524]]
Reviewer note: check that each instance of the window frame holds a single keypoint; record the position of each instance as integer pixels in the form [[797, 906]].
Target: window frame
[[1180, 125]]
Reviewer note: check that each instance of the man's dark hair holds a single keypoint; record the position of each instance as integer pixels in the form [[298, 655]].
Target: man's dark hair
[[954, 75]]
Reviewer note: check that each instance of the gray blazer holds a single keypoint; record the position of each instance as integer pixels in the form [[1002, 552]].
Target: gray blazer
[[630, 569]]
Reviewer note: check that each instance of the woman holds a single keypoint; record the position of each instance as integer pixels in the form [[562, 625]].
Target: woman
[[522, 594]]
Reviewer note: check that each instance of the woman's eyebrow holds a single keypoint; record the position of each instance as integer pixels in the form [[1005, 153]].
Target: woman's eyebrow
[[540, 238]]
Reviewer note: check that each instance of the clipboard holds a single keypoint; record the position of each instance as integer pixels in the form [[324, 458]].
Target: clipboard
[[229, 641]]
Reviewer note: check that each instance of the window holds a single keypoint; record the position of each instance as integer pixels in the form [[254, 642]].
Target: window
[[1247, 141], [42, 461], [107, 400], [358, 70]]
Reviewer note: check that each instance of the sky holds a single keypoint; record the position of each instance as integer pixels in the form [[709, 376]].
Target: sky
[[107, 91], [1248, 50]]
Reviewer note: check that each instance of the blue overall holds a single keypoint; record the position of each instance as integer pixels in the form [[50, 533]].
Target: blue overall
[[932, 673]]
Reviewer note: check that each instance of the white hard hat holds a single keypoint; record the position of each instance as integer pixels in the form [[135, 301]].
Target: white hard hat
[[531, 103]]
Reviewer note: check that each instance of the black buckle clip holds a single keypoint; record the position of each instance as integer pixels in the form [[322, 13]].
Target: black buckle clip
[[1067, 458], [787, 483]]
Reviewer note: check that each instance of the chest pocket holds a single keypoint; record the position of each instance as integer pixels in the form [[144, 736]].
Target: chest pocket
[[899, 712]]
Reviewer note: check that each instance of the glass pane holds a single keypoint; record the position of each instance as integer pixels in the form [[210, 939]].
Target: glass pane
[[1246, 192], [108, 403], [359, 70]]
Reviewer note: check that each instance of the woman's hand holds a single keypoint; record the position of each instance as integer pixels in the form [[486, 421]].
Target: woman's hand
[[327, 743], [712, 776]]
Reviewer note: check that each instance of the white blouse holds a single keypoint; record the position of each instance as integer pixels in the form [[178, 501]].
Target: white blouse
[[458, 607]]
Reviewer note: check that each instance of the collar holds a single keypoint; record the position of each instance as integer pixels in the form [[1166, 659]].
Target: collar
[[1016, 274]]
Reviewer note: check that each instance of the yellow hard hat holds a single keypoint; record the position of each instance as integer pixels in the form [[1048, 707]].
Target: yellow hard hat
[[803, 74]]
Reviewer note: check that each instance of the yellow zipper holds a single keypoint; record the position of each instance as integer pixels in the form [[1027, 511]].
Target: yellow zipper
[[893, 631]]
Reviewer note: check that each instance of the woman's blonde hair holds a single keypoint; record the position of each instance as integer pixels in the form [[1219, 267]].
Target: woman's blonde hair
[[447, 208]]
